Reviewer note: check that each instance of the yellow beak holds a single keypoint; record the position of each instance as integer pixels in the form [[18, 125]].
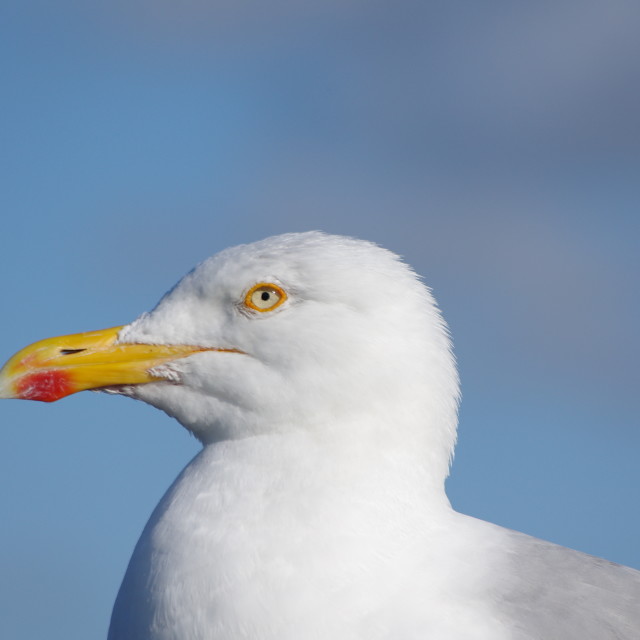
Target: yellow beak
[[57, 367]]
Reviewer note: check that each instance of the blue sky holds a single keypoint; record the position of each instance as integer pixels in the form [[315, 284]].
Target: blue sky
[[495, 146]]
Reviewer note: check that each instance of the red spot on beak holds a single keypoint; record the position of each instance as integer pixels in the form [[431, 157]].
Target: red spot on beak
[[46, 386]]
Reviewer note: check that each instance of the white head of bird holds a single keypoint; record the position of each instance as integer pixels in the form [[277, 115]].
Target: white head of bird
[[305, 332]]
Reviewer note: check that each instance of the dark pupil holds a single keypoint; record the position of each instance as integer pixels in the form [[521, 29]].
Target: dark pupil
[[265, 295]]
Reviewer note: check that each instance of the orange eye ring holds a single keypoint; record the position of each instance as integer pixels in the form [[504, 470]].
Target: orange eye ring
[[265, 296]]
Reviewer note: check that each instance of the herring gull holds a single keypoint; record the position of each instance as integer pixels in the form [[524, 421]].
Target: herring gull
[[317, 372]]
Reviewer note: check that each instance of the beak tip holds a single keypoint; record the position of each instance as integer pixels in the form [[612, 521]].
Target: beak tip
[[6, 387]]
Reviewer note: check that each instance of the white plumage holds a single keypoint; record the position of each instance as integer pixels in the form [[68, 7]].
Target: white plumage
[[316, 509]]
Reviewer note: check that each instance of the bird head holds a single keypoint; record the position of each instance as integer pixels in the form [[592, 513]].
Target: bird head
[[299, 331]]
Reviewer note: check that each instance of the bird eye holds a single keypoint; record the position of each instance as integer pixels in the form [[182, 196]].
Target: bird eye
[[265, 297]]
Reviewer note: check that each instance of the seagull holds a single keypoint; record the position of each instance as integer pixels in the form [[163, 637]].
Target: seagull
[[318, 374]]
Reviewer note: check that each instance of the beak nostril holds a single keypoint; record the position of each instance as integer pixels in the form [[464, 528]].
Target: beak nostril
[[68, 352]]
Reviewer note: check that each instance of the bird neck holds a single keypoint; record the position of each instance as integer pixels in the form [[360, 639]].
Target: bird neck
[[326, 469]]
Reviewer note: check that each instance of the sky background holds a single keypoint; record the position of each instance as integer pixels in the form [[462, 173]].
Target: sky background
[[495, 145]]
